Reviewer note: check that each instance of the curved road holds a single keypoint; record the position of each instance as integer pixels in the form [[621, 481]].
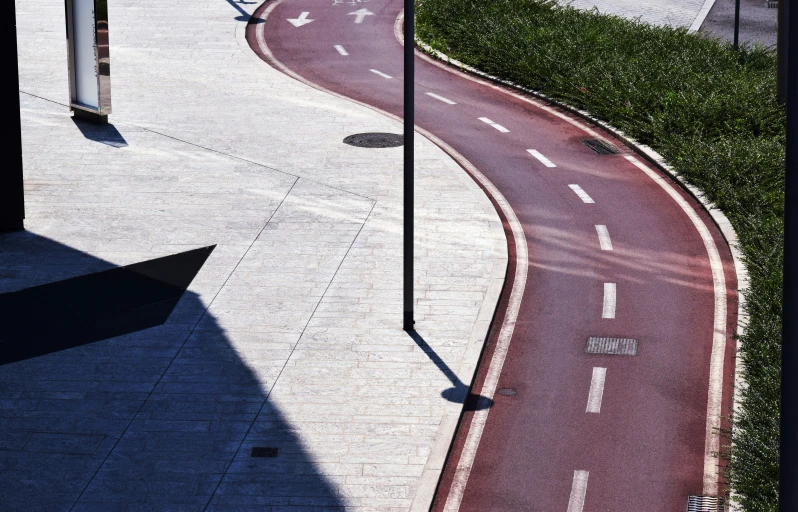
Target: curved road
[[614, 250]]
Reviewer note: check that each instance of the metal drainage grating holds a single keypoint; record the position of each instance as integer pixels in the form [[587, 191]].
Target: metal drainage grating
[[375, 140], [611, 346], [602, 147], [773, 5], [263, 451], [704, 504]]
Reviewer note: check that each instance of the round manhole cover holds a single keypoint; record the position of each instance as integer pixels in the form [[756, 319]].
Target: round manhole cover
[[507, 392], [375, 140]]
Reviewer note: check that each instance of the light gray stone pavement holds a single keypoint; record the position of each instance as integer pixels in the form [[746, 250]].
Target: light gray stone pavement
[[299, 302], [677, 13]]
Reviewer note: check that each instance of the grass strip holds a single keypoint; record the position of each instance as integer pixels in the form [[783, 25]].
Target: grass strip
[[710, 111]]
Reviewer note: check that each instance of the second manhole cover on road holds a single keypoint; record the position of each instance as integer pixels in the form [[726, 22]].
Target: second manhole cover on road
[[375, 140]]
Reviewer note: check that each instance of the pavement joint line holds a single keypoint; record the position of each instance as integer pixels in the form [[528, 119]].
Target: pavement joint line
[[293, 349], [229, 155], [178, 351]]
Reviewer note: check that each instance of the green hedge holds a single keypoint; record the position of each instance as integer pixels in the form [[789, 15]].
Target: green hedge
[[710, 111]]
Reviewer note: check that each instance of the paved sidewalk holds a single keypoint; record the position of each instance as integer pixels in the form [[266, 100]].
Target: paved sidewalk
[[299, 302], [677, 13]]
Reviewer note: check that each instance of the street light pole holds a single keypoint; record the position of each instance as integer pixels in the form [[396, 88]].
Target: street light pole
[[788, 450], [736, 22], [782, 36], [409, 115], [12, 205]]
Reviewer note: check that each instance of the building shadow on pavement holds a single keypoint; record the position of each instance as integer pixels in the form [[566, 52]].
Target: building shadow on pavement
[[160, 418]]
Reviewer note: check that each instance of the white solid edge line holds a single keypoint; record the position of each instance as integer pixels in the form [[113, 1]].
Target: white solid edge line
[[596, 392], [719, 337], [519, 280], [341, 50], [712, 435], [582, 194], [545, 161], [608, 310], [702, 15], [380, 73], [493, 124], [578, 491], [441, 98], [604, 237]]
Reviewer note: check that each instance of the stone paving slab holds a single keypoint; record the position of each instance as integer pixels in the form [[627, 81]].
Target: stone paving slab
[[290, 335]]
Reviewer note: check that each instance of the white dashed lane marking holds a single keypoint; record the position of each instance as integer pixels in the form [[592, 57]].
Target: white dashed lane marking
[[604, 237], [495, 125], [608, 311], [545, 161], [596, 390], [582, 194], [380, 73], [578, 490], [441, 98], [341, 50]]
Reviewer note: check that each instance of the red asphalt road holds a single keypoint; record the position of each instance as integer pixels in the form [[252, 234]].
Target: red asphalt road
[[645, 449]]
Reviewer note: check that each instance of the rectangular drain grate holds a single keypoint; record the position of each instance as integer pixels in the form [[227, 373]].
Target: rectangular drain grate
[[263, 451], [611, 346], [704, 504], [602, 147]]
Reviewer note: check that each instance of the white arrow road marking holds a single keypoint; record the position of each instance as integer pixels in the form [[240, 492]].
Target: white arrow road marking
[[578, 490], [360, 14], [441, 98], [596, 390], [341, 50], [495, 125], [582, 194], [301, 20], [608, 311], [380, 73], [545, 161], [604, 237]]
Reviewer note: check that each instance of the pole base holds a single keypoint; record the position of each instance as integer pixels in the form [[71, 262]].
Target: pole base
[[409, 323], [85, 115]]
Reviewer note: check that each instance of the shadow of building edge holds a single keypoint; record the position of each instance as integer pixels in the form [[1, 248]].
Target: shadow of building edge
[[161, 417]]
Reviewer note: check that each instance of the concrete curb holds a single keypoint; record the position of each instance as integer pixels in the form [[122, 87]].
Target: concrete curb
[[654, 158], [702, 15], [428, 482]]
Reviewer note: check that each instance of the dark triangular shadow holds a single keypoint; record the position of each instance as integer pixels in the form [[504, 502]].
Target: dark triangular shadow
[[94, 307]]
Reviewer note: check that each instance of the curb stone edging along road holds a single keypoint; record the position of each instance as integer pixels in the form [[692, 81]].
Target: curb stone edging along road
[[493, 203], [651, 156]]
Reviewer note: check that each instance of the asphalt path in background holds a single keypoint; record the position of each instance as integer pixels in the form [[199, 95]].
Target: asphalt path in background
[[614, 250]]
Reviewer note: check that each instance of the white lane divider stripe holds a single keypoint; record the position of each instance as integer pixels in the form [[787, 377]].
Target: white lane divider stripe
[[545, 161], [578, 490], [495, 125], [604, 237], [596, 390], [341, 50], [441, 98], [608, 311], [582, 194], [714, 405], [380, 73]]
